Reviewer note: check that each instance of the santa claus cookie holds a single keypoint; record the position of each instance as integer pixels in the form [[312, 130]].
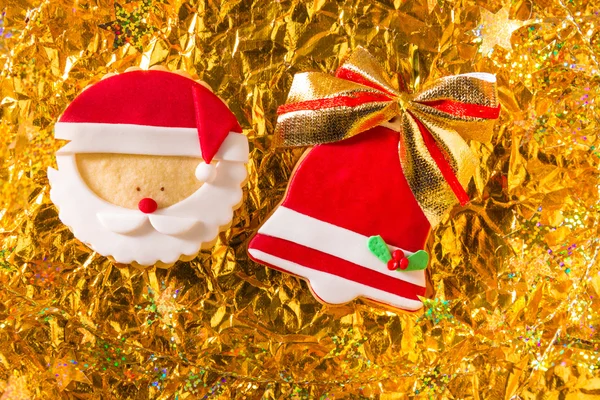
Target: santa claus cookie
[[153, 167]]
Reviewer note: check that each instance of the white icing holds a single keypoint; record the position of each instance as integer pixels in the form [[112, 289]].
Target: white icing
[[129, 221], [168, 225], [212, 205], [333, 289], [339, 242], [206, 172], [85, 137], [122, 223]]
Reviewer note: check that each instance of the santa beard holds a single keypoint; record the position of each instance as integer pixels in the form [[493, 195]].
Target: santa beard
[[206, 211]]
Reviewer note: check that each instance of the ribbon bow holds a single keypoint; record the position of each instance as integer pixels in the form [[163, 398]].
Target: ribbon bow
[[433, 124]]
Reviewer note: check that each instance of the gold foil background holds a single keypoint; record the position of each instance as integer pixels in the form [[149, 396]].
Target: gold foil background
[[514, 309]]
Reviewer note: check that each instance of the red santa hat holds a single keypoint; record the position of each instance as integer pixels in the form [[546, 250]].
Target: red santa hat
[[153, 113]]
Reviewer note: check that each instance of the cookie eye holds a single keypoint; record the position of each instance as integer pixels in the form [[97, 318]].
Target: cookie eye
[[162, 189], [137, 188]]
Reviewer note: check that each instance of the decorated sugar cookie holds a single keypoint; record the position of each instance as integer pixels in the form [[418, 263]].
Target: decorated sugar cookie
[[152, 169], [384, 169]]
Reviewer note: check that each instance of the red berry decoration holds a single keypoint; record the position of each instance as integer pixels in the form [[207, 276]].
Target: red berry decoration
[[404, 263], [398, 255], [392, 265]]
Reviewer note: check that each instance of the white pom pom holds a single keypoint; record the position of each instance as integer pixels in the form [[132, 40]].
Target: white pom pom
[[206, 172]]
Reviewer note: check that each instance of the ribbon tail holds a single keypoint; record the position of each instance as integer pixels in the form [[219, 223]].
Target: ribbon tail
[[442, 163], [429, 168]]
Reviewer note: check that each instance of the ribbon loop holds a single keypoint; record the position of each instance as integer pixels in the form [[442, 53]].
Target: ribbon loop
[[435, 123]]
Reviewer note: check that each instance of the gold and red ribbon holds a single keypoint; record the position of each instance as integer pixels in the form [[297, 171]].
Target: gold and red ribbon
[[434, 124]]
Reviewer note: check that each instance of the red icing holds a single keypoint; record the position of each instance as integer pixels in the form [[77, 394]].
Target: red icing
[[392, 264], [156, 98], [358, 184], [147, 205], [214, 121], [326, 263]]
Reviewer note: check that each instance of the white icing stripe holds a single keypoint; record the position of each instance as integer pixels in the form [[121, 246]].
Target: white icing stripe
[[140, 139], [327, 238], [333, 289]]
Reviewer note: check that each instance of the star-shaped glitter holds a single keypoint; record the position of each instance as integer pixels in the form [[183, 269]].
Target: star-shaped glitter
[[437, 310], [131, 24], [496, 29]]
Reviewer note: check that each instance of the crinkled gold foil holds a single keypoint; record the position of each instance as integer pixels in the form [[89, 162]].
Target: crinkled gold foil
[[514, 309]]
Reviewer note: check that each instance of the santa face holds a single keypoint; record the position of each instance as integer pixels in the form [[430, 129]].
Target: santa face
[[127, 179], [98, 199]]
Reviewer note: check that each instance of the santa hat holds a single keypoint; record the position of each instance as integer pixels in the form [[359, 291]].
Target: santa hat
[[153, 113], [339, 196]]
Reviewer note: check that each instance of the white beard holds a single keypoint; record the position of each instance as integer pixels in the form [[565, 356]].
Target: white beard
[[137, 237]]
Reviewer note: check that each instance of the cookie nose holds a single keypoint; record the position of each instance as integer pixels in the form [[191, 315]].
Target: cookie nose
[[147, 205]]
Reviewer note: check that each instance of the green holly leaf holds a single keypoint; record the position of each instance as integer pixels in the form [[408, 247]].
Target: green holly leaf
[[418, 261], [378, 247]]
